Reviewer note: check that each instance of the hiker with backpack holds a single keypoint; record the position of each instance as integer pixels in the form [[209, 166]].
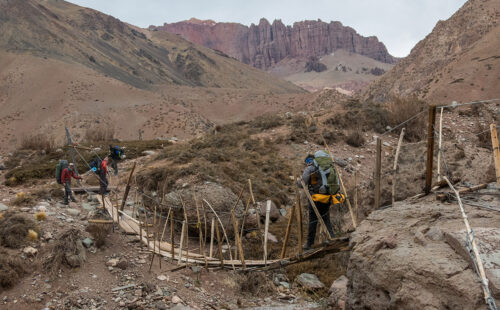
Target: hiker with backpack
[[66, 175], [116, 154], [320, 176], [100, 168]]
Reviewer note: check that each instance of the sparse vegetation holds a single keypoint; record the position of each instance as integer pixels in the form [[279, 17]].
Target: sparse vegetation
[[40, 141], [313, 64], [377, 71], [14, 229], [11, 269], [355, 138], [402, 109], [40, 216], [101, 133], [267, 121]]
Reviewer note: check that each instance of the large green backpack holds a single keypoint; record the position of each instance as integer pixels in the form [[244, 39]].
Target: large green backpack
[[327, 173], [59, 169]]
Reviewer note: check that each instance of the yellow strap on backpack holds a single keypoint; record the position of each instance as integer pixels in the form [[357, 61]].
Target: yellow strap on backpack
[[335, 199]]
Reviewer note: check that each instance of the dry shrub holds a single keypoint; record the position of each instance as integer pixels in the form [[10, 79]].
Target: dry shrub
[[267, 121], [402, 109], [14, 229], [11, 269], [355, 138], [40, 216], [256, 283], [23, 199], [100, 133], [38, 142], [484, 137], [99, 232], [32, 235], [67, 251]]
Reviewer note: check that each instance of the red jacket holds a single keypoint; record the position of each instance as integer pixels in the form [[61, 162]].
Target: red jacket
[[67, 174], [104, 166]]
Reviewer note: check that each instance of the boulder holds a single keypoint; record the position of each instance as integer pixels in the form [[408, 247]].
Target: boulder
[[338, 293], [399, 260], [3, 207], [309, 281], [87, 242], [73, 212], [221, 198], [30, 251], [274, 215]]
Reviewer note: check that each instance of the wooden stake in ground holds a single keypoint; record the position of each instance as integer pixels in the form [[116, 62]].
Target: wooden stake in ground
[[212, 228], [266, 229], [342, 187], [395, 167], [496, 150], [181, 244], [479, 263], [439, 143], [318, 215], [172, 238], [430, 149], [378, 168], [219, 244], [356, 211], [223, 230], [299, 220], [127, 188], [287, 233], [237, 239]]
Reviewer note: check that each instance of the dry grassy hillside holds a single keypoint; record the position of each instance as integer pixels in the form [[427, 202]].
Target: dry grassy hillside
[[459, 60]]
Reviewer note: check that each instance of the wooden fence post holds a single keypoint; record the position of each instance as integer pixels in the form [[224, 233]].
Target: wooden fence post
[[266, 229], [395, 168], [287, 233], [430, 149], [439, 143], [378, 168], [496, 150], [127, 188]]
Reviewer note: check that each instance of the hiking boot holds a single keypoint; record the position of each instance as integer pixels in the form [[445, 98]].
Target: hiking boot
[[65, 203], [74, 200], [306, 247]]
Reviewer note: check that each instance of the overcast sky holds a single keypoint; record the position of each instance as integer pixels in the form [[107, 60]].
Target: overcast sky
[[399, 24]]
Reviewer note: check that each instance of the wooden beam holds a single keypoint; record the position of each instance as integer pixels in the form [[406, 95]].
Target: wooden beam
[[287, 233], [127, 188], [219, 244], [98, 221], [430, 149], [299, 219], [172, 238], [237, 239], [440, 143], [395, 167], [496, 151], [378, 170], [442, 197], [181, 244], [212, 238]]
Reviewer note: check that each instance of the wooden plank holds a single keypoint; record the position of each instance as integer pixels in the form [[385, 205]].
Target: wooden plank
[[496, 151], [181, 244], [172, 237], [395, 167], [92, 189], [287, 233], [266, 230], [430, 149], [127, 188], [97, 221], [378, 168]]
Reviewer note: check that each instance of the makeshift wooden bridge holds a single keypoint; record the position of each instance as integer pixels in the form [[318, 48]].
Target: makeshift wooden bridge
[[166, 249]]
